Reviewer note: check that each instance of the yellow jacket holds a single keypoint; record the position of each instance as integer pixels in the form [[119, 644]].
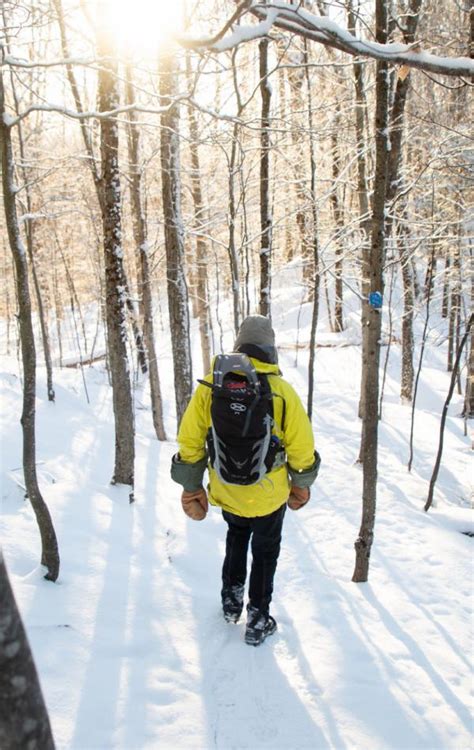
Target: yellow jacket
[[296, 434]]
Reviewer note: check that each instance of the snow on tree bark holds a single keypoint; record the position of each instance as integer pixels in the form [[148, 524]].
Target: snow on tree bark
[[29, 232], [115, 282], [201, 243], [174, 237], [141, 242], [266, 224], [296, 79], [363, 544], [49, 544]]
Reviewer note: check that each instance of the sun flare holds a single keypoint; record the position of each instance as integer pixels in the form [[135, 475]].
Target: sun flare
[[143, 25]]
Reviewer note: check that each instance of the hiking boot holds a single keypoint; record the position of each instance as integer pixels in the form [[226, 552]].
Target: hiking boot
[[232, 602], [259, 626]]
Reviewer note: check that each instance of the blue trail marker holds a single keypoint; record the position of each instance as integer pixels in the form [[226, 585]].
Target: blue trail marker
[[375, 300]]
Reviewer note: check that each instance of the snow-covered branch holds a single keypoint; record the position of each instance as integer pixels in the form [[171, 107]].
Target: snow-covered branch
[[20, 62], [10, 121], [321, 29]]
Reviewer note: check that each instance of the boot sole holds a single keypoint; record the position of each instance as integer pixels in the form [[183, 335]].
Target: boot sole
[[251, 640]]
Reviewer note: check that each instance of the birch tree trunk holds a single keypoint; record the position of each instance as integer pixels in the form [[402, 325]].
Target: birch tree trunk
[[115, 282], [24, 720], [266, 223], [174, 236], [141, 243], [49, 544], [296, 80], [363, 544]]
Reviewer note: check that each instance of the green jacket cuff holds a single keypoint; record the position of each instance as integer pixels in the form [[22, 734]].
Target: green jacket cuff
[[305, 477], [188, 475]]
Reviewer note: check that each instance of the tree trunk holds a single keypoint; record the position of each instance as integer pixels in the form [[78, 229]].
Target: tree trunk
[[316, 277], [232, 250], [407, 374], [24, 720], [455, 308], [201, 243], [444, 415], [296, 80], [364, 542], [363, 197], [30, 243], [339, 223], [95, 172], [420, 361], [266, 223], [141, 243], [446, 277], [41, 311], [49, 544], [174, 239], [397, 120], [115, 282], [468, 408]]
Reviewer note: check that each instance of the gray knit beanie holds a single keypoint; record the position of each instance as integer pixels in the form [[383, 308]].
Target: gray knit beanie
[[256, 338]]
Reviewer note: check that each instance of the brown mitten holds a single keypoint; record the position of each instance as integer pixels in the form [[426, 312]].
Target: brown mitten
[[299, 496], [195, 504]]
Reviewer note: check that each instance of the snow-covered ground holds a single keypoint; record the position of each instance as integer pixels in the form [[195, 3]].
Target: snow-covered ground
[[130, 645]]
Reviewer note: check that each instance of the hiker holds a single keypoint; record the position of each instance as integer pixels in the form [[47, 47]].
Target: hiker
[[276, 465]]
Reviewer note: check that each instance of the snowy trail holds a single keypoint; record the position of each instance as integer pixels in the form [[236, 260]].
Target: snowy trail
[[130, 645]]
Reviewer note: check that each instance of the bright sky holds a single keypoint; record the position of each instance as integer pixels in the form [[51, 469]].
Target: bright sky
[[142, 25]]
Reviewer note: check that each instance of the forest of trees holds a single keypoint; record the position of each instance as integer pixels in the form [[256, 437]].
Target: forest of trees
[[143, 187], [193, 173]]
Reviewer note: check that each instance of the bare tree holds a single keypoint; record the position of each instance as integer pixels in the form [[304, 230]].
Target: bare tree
[[444, 415], [296, 73], [338, 211], [201, 242], [30, 226], [468, 408], [174, 235], [266, 223], [315, 240], [49, 544], [95, 170], [115, 284], [141, 242], [363, 544], [362, 195]]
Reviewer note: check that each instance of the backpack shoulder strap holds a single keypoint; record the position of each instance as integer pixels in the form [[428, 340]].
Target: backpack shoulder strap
[[283, 410]]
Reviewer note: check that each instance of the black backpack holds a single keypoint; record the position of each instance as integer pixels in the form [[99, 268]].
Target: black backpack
[[240, 443]]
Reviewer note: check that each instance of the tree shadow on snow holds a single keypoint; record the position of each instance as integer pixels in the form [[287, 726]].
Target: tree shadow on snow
[[371, 685]]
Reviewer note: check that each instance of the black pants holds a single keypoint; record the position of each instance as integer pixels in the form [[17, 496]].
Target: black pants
[[265, 532]]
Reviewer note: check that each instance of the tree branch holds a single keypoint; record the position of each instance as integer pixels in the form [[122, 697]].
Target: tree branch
[[321, 29]]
